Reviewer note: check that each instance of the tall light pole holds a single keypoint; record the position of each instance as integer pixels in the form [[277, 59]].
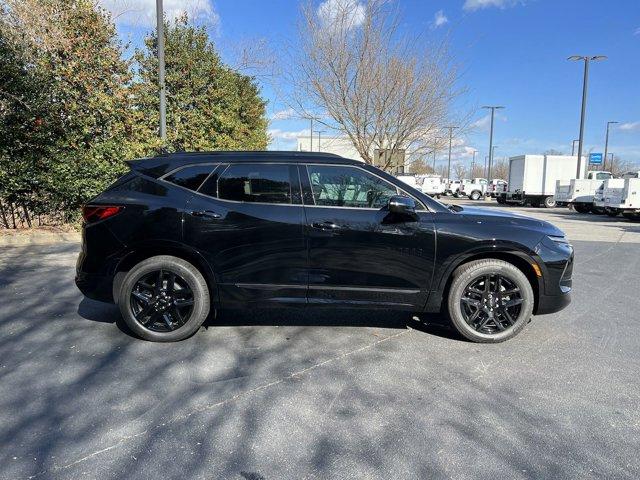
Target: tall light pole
[[473, 162], [163, 92], [585, 82], [311, 136], [493, 111], [606, 145], [449, 166], [319, 144], [573, 147], [486, 157]]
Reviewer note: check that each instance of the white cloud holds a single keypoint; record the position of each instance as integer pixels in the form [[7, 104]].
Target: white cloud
[[332, 11], [142, 13], [284, 114], [472, 5], [484, 123], [637, 32], [629, 127], [276, 133], [439, 19]]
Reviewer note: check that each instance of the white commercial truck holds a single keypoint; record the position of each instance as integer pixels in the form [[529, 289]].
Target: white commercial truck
[[475, 189], [579, 193], [433, 186], [622, 195], [532, 178]]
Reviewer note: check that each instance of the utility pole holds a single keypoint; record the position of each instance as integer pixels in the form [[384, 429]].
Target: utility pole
[[311, 136], [161, 84], [585, 82], [319, 144], [449, 165], [493, 109], [435, 148], [573, 147], [473, 162], [486, 157], [606, 145]]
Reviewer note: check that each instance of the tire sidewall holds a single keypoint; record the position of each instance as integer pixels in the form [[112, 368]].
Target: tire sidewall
[[189, 274], [475, 270]]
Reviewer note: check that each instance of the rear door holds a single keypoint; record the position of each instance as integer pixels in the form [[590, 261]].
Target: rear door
[[247, 221], [360, 254]]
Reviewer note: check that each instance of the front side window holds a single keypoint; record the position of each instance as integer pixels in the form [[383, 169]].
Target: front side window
[[190, 177], [337, 186], [255, 183]]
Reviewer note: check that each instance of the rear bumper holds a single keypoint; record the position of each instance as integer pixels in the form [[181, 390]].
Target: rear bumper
[[95, 287]]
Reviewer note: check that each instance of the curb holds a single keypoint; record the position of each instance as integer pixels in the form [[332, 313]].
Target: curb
[[39, 238]]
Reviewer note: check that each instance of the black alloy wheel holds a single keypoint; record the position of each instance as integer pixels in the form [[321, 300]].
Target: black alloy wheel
[[161, 301], [491, 303]]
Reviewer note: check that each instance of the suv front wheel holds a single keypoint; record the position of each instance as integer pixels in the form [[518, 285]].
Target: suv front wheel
[[164, 299], [490, 300]]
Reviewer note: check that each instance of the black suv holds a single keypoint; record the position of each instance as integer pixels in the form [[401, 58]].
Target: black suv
[[182, 235]]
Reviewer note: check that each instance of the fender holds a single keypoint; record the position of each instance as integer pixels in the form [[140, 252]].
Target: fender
[[139, 251], [486, 248]]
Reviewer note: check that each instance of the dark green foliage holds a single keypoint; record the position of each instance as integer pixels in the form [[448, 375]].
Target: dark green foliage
[[72, 109]]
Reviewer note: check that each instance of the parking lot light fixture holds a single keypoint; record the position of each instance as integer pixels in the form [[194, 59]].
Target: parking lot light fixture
[[606, 145], [585, 81], [493, 110]]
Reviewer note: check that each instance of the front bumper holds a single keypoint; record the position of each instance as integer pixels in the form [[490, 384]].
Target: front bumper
[[557, 265]]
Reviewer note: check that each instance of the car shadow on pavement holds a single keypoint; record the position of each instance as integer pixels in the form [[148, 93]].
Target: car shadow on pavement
[[432, 324]]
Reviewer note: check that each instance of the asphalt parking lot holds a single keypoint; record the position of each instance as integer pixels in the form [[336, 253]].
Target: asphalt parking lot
[[323, 394]]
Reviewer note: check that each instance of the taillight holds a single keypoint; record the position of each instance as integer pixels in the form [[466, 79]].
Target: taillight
[[94, 213]]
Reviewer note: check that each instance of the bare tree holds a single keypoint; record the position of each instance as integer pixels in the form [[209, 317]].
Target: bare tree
[[500, 169], [460, 171], [356, 74]]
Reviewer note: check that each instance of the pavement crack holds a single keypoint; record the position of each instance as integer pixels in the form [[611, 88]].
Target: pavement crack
[[233, 398]]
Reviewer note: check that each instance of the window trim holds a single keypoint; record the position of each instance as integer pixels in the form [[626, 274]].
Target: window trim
[[182, 167], [357, 167]]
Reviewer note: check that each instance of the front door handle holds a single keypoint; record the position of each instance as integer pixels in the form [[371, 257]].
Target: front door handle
[[205, 213], [327, 226]]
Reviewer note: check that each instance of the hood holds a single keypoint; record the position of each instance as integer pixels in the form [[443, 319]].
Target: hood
[[494, 215]]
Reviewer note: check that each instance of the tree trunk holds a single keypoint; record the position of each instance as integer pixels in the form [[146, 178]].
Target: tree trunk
[[4, 215]]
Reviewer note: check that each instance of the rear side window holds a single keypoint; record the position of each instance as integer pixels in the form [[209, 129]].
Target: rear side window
[[256, 183], [190, 177]]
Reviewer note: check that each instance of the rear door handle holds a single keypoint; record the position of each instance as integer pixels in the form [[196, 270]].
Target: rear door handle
[[205, 213], [326, 226]]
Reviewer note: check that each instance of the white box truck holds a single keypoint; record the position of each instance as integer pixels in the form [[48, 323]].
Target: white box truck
[[532, 178], [579, 193]]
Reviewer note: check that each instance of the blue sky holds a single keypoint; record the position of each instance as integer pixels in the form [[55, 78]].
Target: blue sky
[[511, 53]]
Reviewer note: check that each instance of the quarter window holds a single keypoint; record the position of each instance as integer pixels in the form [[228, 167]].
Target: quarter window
[[336, 186], [256, 183], [190, 177]]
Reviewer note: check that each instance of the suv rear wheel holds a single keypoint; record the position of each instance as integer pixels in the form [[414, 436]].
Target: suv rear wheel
[[490, 300], [164, 299]]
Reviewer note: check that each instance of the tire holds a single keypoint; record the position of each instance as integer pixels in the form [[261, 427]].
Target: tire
[[475, 195], [610, 212], [472, 272], [548, 202], [458, 195], [582, 207], [192, 299], [501, 200]]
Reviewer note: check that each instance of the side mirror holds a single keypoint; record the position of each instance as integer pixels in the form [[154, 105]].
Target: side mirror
[[401, 205]]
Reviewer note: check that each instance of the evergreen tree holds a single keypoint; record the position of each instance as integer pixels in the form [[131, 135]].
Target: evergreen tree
[[209, 106]]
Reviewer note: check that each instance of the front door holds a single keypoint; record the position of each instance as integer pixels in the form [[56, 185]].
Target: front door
[[247, 221], [359, 253]]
